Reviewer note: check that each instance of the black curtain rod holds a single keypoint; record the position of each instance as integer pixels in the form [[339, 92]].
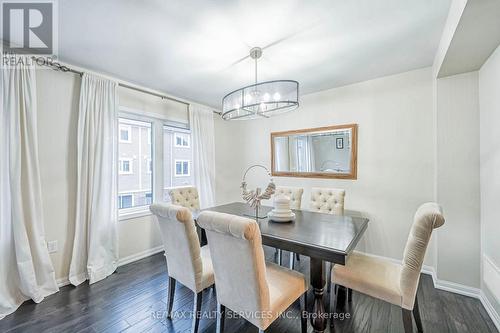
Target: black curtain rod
[[62, 68]]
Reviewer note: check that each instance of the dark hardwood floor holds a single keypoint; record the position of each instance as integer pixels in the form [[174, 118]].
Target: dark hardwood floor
[[134, 300]]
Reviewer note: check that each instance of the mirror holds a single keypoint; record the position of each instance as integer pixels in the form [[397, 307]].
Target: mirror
[[325, 152]]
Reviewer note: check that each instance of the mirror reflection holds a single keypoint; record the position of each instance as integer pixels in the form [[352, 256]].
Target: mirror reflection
[[326, 152]]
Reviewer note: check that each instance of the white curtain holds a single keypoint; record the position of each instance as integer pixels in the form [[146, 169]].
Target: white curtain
[[26, 270], [202, 133], [95, 247]]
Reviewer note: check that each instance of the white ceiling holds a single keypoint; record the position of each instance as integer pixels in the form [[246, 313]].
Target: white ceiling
[[475, 38], [187, 48]]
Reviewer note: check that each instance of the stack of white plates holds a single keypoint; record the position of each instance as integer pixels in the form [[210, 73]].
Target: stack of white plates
[[281, 211]]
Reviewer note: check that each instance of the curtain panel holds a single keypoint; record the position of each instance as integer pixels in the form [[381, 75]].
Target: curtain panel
[[26, 271], [95, 246], [202, 129]]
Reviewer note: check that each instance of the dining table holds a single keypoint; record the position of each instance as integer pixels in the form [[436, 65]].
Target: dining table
[[322, 237]]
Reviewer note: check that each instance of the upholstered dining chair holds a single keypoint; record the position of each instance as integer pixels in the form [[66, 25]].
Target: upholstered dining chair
[[328, 201], [295, 195], [187, 262], [246, 284], [185, 197], [388, 281]]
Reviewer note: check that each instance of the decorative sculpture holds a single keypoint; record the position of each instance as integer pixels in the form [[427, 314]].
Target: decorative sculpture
[[254, 197]]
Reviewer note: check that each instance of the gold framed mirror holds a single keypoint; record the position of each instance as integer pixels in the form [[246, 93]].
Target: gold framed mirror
[[323, 152]]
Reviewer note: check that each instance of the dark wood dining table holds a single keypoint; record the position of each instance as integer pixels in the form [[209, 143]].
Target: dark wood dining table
[[322, 237]]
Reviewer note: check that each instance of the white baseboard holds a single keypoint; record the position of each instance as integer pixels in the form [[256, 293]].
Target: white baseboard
[[491, 277], [490, 309], [140, 255]]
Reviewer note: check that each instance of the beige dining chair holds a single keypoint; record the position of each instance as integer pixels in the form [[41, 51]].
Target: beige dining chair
[[328, 201], [295, 195], [185, 197], [246, 284], [187, 262], [388, 281]]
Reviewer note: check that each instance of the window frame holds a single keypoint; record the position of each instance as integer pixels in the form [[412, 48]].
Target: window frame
[[139, 211], [128, 128], [130, 166], [120, 199], [149, 166], [158, 124], [182, 135], [188, 174]]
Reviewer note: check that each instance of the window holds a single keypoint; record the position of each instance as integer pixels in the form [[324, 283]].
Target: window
[[135, 178], [142, 176], [125, 201], [181, 140], [125, 134], [176, 174], [149, 198], [182, 168], [125, 166]]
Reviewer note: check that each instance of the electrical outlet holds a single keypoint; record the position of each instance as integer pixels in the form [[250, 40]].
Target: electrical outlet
[[52, 246]]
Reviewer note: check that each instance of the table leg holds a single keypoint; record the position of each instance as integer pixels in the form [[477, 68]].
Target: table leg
[[317, 275]]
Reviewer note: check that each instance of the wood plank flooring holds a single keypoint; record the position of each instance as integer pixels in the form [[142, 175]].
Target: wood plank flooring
[[133, 300]]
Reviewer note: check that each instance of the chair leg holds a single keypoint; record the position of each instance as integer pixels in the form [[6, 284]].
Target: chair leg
[[297, 256], [303, 313], [197, 311], [279, 256], [291, 263], [349, 295], [407, 320], [333, 302], [416, 315], [221, 314], [170, 300]]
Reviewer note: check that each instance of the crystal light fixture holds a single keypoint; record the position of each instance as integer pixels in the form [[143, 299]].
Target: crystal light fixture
[[262, 99]]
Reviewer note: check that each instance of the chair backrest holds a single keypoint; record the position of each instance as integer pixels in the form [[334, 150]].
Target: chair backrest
[[327, 200], [239, 265], [294, 193], [185, 197], [181, 242], [428, 217]]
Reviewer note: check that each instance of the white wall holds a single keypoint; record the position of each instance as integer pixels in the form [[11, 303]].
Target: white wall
[[458, 178], [58, 96], [489, 96], [395, 158]]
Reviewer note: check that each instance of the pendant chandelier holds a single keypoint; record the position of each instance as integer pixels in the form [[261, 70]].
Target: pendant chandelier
[[262, 99]]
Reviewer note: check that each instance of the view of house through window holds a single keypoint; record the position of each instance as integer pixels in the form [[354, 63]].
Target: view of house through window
[[136, 166], [135, 182], [177, 157]]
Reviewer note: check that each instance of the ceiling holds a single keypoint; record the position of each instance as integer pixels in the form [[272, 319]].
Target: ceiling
[[466, 52], [190, 48]]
